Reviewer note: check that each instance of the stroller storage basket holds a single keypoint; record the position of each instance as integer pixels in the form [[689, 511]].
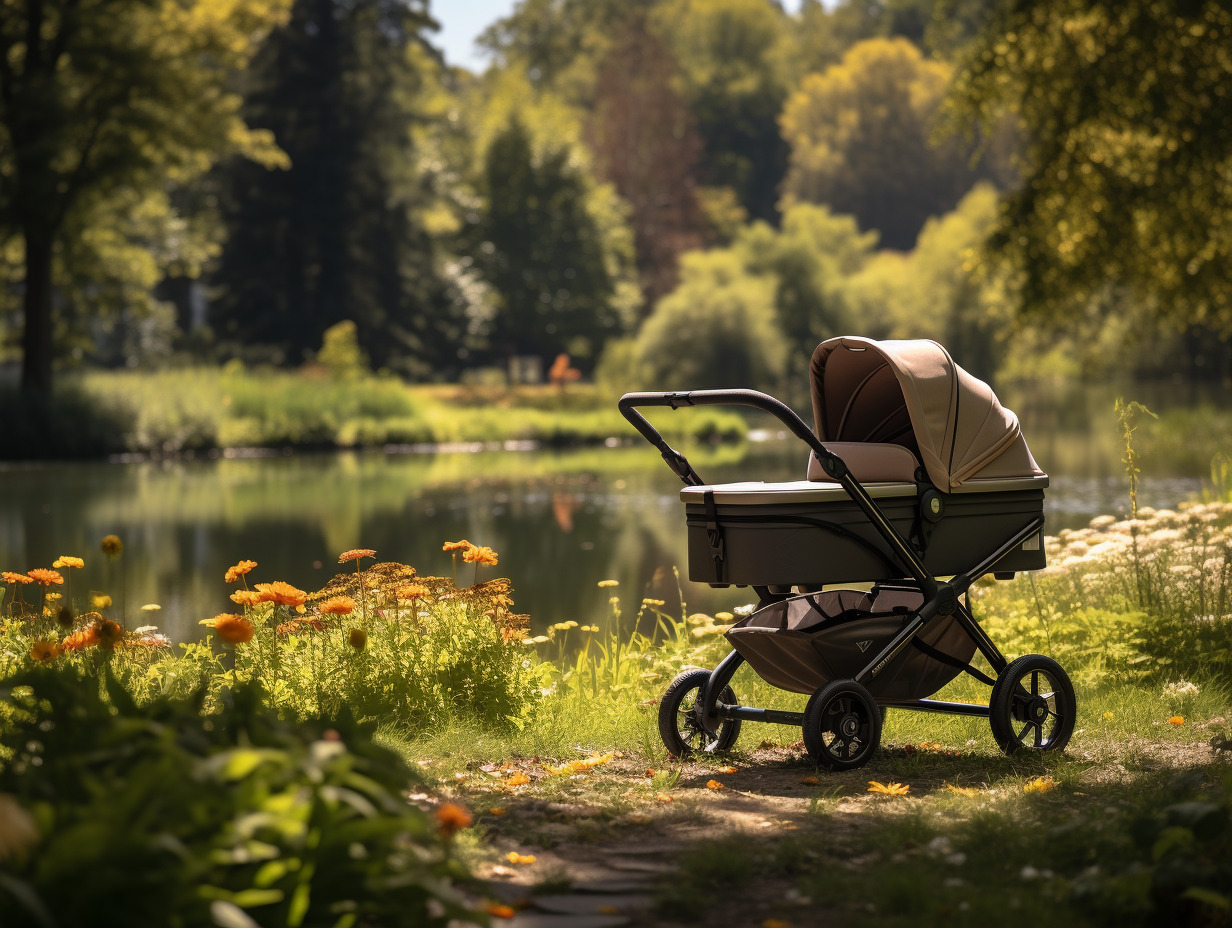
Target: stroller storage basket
[[813, 533], [802, 643]]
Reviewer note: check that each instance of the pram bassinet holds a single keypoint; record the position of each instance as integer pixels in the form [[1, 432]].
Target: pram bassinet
[[916, 472]]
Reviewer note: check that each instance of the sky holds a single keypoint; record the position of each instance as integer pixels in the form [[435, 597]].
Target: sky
[[463, 20]]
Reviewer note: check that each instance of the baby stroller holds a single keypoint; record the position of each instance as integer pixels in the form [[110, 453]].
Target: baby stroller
[[916, 472]]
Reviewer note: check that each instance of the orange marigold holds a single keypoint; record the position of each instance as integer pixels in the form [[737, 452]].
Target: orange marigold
[[252, 597], [67, 560], [9, 577], [355, 554], [87, 637], [337, 605], [233, 628], [412, 591], [451, 818], [239, 570], [480, 555], [283, 593], [44, 576], [462, 545], [44, 651]]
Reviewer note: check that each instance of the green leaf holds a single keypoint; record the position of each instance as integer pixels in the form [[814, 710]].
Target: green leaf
[[1208, 897], [229, 915], [1170, 839]]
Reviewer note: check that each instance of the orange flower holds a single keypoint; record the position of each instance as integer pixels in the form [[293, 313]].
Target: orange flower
[[355, 554], [66, 560], [515, 858], [357, 638], [252, 597], [85, 638], [109, 632], [283, 593], [233, 628], [713, 784], [44, 576], [499, 910], [239, 570], [451, 818], [1177, 720], [337, 605], [111, 545], [44, 651], [462, 545], [9, 577], [480, 555], [888, 789], [412, 591]]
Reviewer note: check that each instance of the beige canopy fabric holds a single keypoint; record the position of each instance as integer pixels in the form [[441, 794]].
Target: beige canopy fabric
[[911, 393]]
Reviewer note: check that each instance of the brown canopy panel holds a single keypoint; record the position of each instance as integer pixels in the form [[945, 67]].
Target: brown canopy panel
[[911, 393]]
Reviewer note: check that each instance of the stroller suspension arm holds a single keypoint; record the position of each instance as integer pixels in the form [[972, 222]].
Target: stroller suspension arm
[[830, 462]]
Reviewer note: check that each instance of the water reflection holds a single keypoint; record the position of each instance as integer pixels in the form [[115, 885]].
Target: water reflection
[[561, 522]]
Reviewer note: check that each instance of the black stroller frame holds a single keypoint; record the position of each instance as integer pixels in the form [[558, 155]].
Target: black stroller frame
[[1021, 715]]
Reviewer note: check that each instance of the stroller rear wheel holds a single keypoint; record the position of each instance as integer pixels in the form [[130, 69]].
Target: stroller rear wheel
[[842, 725], [1032, 705], [680, 724]]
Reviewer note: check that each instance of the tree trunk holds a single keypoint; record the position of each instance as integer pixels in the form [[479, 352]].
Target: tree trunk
[[36, 340]]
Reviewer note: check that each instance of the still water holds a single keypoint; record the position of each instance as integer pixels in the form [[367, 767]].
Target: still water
[[560, 522]]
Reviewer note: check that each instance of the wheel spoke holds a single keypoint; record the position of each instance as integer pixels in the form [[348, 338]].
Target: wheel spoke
[[1034, 682], [1022, 734], [1039, 734]]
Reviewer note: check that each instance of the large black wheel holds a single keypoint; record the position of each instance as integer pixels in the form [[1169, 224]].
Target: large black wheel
[[680, 724], [842, 725], [1032, 705]]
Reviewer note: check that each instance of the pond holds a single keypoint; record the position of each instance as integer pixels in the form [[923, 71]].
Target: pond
[[560, 522]]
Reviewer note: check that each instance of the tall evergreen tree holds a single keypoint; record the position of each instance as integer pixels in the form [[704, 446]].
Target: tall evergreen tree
[[541, 252], [334, 237]]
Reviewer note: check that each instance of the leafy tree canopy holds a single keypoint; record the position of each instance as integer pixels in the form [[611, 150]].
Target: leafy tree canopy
[[1128, 108]]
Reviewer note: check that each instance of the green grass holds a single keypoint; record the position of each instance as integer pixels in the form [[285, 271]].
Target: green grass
[[198, 409]]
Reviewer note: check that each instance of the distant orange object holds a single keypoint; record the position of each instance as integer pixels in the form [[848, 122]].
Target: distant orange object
[[561, 373]]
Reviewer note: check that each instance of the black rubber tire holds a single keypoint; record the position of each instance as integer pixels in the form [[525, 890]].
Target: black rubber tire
[[1023, 716], [679, 728], [842, 725]]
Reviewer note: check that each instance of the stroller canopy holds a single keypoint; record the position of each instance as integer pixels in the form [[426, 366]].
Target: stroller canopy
[[911, 393]]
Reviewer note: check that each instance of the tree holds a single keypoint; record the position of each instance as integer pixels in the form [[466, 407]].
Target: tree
[[645, 144], [101, 98], [1128, 168], [860, 136], [717, 329], [542, 253], [337, 235]]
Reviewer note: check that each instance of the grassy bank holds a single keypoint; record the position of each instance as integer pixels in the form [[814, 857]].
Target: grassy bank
[[172, 412]]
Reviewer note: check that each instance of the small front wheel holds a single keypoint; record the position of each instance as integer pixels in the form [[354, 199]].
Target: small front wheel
[[1032, 705], [680, 723], [842, 725]]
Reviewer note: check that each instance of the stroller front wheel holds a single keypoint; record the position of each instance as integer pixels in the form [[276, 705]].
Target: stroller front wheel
[[842, 725], [680, 724], [1032, 705]]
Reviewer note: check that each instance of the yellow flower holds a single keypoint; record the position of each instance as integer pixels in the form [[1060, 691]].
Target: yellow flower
[[233, 628], [66, 560], [653, 602], [1177, 720], [44, 651], [888, 789], [251, 597], [355, 554], [111, 545], [609, 583], [963, 790], [151, 607], [101, 601], [480, 555], [239, 570], [456, 545], [1039, 785], [515, 858], [1109, 716]]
